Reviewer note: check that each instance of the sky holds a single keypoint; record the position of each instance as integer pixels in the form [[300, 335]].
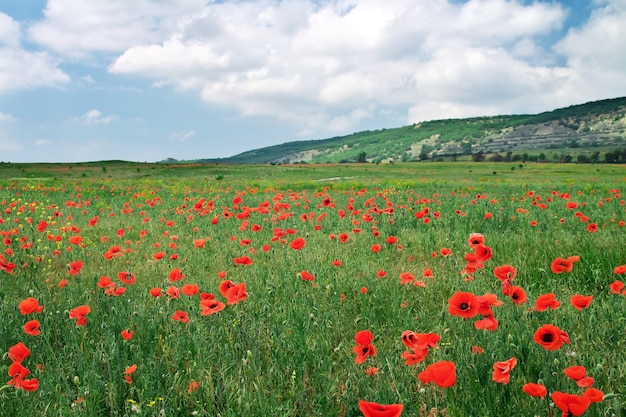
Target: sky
[[147, 80]]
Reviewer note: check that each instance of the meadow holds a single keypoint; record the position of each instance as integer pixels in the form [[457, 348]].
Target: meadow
[[432, 289]]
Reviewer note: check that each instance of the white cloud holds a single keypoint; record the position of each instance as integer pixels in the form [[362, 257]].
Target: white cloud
[[43, 142], [20, 68], [182, 136], [337, 63], [94, 117], [7, 118]]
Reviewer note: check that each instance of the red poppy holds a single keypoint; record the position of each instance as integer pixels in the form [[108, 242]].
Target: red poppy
[[127, 334], [594, 395], [364, 347], [445, 252], [579, 374], [617, 287], [483, 253], [463, 304], [486, 301], [105, 282], [181, 316], [79, 314], [190, 289], [235, 293], [175, 275], [518, 295], [158, 256], [193, 386], [560, 265], [307, 276], [127, 278], [570, 404], [621, 269], [155, 292], [505, 272], [580, 302], [546, 301], [297, 243], [371, 409], [243, 260], [337, 262], [128, 372], [343, 237], [199, 243], [477, 349], [535, 390], [210, 306], [487, 323], [476, 239], [30, 305], [18, 352], [414, 357], [392, 240], [375, 248], [75, 240], [502, 371], [75, 267], [172, 292], [441, 373], [550, 337], [31, 328]]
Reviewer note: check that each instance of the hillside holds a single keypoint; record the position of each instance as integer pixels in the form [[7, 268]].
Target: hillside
[[599, 124]]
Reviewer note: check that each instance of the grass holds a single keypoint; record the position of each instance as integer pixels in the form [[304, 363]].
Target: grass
[[287, 349]]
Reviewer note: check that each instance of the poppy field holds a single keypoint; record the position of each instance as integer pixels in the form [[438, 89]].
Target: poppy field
[[473, 295]]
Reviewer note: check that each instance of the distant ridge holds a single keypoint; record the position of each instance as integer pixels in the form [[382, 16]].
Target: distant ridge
[[598, 124]]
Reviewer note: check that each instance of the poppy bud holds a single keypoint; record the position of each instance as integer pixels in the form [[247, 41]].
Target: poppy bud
[[556, 362], [76, 380]]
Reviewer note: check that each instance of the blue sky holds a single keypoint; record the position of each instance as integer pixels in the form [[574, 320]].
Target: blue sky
[[144, 80]]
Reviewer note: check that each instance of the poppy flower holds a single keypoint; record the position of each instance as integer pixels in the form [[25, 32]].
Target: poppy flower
[[502, 371], [193, 386], [371, 409], [550, 337], [546, 301], [487, 323], [364, 347], [486, 301], [127, 278], [30, 305], [31, 328], [199, 243], [79, 314], [128, 373], [594, 395], [535, 390], [172, 292], [463, 304], [579, 374], [621, 269], [375, 248], [445, 252], [235, 293], [441, 373], [75, 240], [158, 256], [175, 275], [580, 302], [414, 357], [505, 272], [560, 265], [297, 243], [392, 240], [371, 371], [570, 404], [127, 334], [243, 260], [105, 282], [155, 292], [190, 289], [518, 295], [75, 267], [181, 316], [483, 253], [477, 349], [18, 352], [306, 276], [210, 306], [617, 287], [476, 239]]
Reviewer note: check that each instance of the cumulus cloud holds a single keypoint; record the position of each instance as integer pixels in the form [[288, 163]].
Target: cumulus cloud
[[6, 118], [94, 117], [338, 63], [20, 68], [182, 136]]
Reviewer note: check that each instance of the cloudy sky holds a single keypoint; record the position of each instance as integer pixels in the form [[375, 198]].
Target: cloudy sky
[[144, 80]]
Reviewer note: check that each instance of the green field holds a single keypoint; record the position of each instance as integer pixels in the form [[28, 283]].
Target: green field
[[110, 235]]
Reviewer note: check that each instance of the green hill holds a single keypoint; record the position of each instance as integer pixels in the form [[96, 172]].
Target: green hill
[[600, 125]]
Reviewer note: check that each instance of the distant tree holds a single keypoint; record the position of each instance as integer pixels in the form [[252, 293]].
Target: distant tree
[[525, 156], [362, 157], [496, 157], [611, 157], [541, 157], [582, 159], [507, 157], [478, 156], [595, 157]]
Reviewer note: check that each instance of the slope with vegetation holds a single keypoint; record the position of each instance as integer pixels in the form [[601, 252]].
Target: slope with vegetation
[[599, 127]]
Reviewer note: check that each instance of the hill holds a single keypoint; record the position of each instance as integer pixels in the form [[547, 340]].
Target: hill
[[597, 125]]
